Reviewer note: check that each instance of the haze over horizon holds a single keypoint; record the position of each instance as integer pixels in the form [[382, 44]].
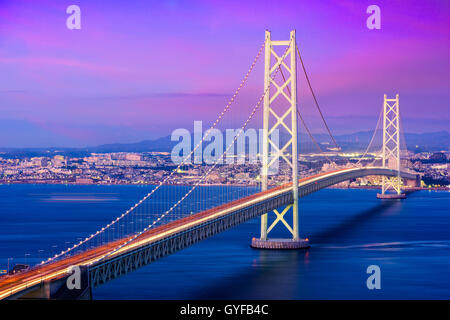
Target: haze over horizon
[[427, 141], [119, 82]]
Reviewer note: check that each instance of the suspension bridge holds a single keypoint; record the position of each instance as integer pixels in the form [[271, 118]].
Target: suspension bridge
[[157, 225]]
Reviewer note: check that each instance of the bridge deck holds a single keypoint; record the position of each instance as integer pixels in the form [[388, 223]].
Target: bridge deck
[[13, 284]]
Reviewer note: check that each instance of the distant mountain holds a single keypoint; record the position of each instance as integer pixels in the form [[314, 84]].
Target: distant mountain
[[161, 144], [434, 141]]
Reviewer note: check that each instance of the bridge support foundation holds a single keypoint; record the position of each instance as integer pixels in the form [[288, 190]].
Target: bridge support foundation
[[280, 243], [391, 196]]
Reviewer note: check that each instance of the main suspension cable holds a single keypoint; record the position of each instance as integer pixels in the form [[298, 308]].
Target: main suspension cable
[[371, 140], [304, 123], [315, 99]]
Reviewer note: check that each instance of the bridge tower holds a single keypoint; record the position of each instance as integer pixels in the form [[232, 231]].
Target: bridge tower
[[391, 186], [275, 119]]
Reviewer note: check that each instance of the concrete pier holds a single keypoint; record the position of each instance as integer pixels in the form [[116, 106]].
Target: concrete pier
[[276, 244], [391, 196]]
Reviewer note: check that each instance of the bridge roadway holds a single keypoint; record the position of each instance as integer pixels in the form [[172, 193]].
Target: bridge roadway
[[171, 237]]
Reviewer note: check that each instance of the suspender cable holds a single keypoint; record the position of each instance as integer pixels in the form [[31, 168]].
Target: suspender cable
[[315, 99], [304, 123], [371, 140]]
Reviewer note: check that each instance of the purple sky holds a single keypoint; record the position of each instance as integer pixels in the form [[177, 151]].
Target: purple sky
[[139, 69]]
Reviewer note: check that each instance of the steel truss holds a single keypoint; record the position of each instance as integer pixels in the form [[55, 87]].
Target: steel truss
[[391, 144], [288, 152]]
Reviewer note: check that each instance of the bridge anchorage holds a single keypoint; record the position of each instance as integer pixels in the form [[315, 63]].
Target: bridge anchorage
[[289, 83]]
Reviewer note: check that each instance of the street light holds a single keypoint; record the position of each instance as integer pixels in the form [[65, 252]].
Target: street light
[[26, 254], [68, 245], [79, 247]]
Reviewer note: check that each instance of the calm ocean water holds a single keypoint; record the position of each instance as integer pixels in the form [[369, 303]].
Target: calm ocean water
[[349, 230]]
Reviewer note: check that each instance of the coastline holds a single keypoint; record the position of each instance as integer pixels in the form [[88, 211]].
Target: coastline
[[53, 182]]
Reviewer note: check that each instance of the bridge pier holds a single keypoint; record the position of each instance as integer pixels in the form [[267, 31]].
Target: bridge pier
[[391, 196], [280, 243]]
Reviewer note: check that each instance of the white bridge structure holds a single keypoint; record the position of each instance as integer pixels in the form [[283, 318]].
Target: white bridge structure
[[127, 243]]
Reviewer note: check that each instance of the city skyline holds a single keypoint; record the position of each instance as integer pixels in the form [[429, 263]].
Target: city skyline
[[59, 87]]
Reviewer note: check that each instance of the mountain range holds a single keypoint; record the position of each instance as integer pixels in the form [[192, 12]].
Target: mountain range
[[419, 142]]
